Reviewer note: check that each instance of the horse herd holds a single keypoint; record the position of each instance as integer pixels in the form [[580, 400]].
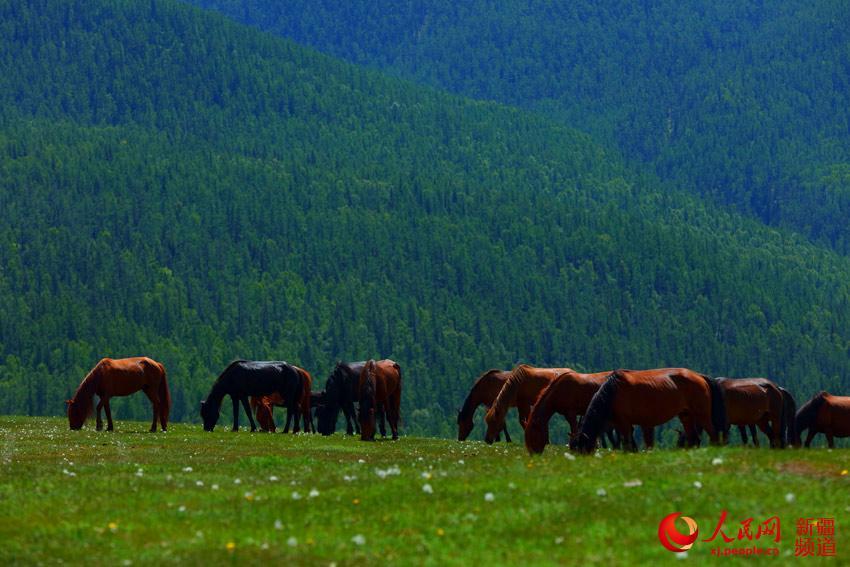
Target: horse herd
[[598, 407]]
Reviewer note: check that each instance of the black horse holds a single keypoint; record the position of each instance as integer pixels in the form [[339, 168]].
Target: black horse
[[341, 390], [244, 378]]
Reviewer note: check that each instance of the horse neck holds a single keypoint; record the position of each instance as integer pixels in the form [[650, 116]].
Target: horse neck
[[478, 395], [218, 391], [545, 406], [507, 395], [88, 387]]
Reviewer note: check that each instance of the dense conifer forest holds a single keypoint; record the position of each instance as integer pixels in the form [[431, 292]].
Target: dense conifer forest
[[179, 185]]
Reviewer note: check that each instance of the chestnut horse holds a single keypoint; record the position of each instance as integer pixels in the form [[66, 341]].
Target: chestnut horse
[[484, 391], [264, 407], [826, 414], [244, 378], [380, 383], [754, 402], [648, 398], [121, 377], [521, 390], [569, 394]]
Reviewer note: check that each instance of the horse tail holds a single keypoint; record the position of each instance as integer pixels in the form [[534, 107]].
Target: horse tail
[[789, 425], [598, 413], [807, 414], [164, 397], [306, 394], [718, 406], [397, 398]]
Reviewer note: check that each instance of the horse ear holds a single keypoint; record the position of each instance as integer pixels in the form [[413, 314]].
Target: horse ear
[[69, 402]]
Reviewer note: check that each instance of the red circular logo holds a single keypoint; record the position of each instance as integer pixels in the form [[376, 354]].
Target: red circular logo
[[674, 540]]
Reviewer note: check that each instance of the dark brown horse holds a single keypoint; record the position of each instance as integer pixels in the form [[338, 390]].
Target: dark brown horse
[[754, 402], [380, 384], [483, 392], [264, 407], [569, 394], [521, 390], [826, 414], [121, 377], [244, 378], [648, 398]]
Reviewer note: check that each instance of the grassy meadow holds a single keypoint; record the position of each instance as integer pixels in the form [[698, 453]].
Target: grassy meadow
[[189, 497]]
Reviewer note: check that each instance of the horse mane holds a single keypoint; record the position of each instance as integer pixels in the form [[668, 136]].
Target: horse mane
[[806, 415], [502, 403], [719, 420], [468, 409], [789, 423], [598, 411], [84, 395]]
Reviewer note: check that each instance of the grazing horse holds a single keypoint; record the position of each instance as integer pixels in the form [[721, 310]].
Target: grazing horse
[[484, 391], [244, 378], [648, 398], [569, 394], [341, 391], [380, 383], [264, 407], [521, 390], [826, 414], [121, 377], [754, 402]]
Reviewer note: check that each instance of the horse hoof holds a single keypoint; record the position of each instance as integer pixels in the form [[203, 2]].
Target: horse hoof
[[395, 437]]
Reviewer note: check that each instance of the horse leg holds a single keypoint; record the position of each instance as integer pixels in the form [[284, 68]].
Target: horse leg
[[649, 437], [288, 418], [108, 414], [830, 442], [382, 418], [247, 406], [235, 401], [810, 436], [394, 410], [574, 427], [350, 417], [154, 398], [296, 427], [99, 421], [507, 435]]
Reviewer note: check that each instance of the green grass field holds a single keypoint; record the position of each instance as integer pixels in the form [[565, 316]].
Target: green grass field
[[131, 497]]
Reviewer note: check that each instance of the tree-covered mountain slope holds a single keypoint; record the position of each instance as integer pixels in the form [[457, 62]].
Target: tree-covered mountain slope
[[176, 185], [745, 101]]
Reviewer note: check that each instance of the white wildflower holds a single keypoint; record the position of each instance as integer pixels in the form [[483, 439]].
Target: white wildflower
[[426, 488]]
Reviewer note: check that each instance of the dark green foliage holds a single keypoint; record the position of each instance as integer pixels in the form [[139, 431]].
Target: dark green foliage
[[743, 101], [175, 185]]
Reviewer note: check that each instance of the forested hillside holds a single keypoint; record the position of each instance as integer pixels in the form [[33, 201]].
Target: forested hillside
[[177, 185], [743, 101]]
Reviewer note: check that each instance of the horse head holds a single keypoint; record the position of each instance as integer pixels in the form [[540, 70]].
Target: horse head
[[77, 414], [209, 414], [464, 425]]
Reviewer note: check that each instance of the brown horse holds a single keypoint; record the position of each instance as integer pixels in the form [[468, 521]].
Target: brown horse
[[521, 390], [264, 406], [826, 414], [380, 384], [648, 398], [569, 394], [121, 377], [754, 402], [484, 391]]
